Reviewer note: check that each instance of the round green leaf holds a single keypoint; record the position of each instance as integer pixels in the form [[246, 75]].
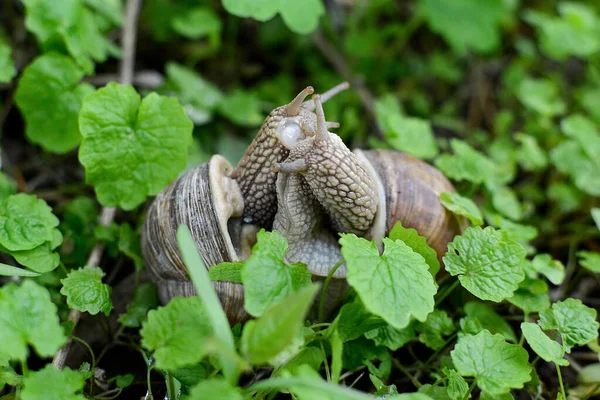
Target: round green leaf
[[86, 292], [132, 148], [50, 383], [497, 366], [575, 322], [28, 317], [395, 285], [50, 96], [25, 222], [488, 263]]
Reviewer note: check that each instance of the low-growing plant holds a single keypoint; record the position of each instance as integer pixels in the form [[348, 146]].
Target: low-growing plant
[[501, 96]]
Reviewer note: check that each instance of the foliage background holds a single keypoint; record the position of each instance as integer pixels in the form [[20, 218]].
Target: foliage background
[[501, 95]]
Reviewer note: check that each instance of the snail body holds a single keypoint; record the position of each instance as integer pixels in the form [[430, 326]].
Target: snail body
[[300, 179]]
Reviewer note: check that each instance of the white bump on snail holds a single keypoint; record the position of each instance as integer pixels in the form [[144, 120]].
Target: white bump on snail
[[290, 132]]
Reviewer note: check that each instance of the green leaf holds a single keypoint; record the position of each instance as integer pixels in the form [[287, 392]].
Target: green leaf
[[506, 202], [199, 97], [28, 317], [214, 389], [411, 135], [264, 338], [418, 243], [129, 244], [589, 260], [570, 158], [68, 25], [395, 285], [86, 292], [217, 319], [391, 337], [8, 376], [496, 365], [460, 205], [488, 263], [529, 154], [543, 346], [337, 348], [565, 195], [300, 17], [7, 66], [383, 392], [541, 96], [267, 278], [242, 108], [49, 95], [466, 164], [41, 258], [131, 148], [9, 270], [503, 396], [433, 330], [490, 320], [124, 381], [574, 33], [479, 27], [25, 222], [457, 388], [575, 322], [584, 132], [50, 383], [552, 269], [198, 23], [177, 332], [315, 386], [145, 299], [532, 296], [78, 221], [353, 321], [7, 186], [434, 392], [227, 271]]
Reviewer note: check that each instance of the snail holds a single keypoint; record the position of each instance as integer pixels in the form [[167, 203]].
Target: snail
[[300, 179]]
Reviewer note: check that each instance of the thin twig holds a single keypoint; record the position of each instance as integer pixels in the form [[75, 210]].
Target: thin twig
[[128, 41], [108, 213]]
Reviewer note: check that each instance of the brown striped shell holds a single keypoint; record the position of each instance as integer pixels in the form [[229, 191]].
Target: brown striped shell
[[209, 202], [412, 188]]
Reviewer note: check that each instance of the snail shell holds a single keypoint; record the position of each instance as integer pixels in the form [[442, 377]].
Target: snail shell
[[210, 203], [409, 193]]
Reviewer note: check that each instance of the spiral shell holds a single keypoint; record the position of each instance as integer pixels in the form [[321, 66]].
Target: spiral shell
[[210, 203]]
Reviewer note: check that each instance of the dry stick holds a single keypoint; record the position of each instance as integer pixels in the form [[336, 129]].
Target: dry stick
[[336, 59], [107, 215]]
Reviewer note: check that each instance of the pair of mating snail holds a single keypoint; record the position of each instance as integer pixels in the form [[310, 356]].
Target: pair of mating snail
[[300, 179]]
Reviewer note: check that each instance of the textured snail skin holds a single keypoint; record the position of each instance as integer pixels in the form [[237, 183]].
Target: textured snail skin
[[300, 219], [254, 172], [337, 178]]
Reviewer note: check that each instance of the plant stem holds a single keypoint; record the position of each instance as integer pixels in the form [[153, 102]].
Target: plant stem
[[522, 338], [170, 386], [591, 392], [414, 380], [471, 387], [446, 292], [560, 381], [327, 372], [324, 289]]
